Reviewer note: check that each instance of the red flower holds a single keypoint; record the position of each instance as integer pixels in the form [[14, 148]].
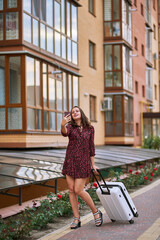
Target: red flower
[[59, 196], [152, 174], [137, 173], [95, 185], [145, 177], [155, 169], [130, 170], [140, 166], [151, 179]]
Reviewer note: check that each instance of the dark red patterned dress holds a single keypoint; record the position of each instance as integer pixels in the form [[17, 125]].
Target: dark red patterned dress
[[80, 148]]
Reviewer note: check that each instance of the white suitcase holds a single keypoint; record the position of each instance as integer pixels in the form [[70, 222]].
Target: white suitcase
[[116, 201]]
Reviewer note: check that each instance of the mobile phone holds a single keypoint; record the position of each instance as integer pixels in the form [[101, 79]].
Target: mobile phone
[[66, 113]]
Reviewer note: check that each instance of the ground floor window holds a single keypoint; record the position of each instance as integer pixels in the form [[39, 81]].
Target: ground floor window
[[48, 95], [118, 116]]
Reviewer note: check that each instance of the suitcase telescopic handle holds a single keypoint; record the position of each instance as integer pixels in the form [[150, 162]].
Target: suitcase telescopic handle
[[100, 186]]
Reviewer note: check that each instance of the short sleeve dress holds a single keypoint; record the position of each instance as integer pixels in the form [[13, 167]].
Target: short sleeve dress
[[80, 148]]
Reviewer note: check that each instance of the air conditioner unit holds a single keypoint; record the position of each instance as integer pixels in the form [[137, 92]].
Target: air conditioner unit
[[106, 104]]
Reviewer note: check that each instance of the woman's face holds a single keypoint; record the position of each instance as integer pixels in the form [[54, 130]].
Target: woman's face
[[76, 114]]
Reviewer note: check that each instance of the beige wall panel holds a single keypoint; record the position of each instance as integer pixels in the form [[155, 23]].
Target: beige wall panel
[[92, 80]]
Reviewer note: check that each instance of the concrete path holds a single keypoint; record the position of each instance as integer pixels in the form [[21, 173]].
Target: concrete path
[[145, 227]]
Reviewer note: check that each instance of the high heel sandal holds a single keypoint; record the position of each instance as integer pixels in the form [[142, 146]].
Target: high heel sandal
[[98, 221], [75, 225]]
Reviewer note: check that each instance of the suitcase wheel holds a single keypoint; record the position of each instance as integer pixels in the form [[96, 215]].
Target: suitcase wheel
[[136, 214], [131, 221], [113, 220]]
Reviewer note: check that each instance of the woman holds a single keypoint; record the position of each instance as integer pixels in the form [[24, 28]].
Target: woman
[[78, 161]]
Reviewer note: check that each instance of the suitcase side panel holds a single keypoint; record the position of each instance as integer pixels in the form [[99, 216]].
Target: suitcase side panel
[[115, 205]]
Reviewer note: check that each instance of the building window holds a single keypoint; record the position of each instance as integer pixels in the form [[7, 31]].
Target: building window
[[11, 117], [149, 85], [137, 129], [142, 49], [53, 27], [154, 31], [92, 100], [128, 60], [135, 3], [91, 6], [154, 4], [128, 116], [136, 86], [114, 117], [143, 91], [155, 91], [60, 93], [142, 10], [91, 54], [113, 66], [112, 21], [135, 43]]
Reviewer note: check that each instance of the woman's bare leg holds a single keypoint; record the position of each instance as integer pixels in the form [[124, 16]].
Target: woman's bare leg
[[73, 196]]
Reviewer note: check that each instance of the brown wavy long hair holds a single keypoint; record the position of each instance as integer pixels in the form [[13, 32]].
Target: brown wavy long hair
[[84, 120]]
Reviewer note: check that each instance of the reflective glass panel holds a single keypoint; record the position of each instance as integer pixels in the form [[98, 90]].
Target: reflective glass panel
[[30, 119], [36, 8], [64, 91], [118, 108], [27, 5], [1, 26], [2, 80], [74, 23], [108, 29], [30, 81], [15, 80], [68, 20], [109, 129], [52, 93], [118, 129], [70, 91], [117, 79], [75, 91], [107, 10], [2, 119], [11, 3], [74, 53], [116, 29], [117, 59], [69, 50], [109, 115], [59, 95], [59, 120], [44, 85], [108, 79], [57, 17], [43, 10], [43, 36], [27, 27], [63, 47], [57, 44], [52, 121], [49, 40], [1, 4], [108, 57], [38, 83], [116, 10], [50, 12], [12, 25], [35, 32], [46, 120], [39, 119], [14, 118], [63, 16]]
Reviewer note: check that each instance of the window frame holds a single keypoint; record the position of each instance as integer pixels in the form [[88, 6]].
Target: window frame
[[92, 55]]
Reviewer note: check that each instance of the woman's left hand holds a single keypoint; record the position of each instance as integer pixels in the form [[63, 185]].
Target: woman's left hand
[[94, 167]]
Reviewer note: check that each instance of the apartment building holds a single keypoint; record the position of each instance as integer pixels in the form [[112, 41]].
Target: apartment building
[[99, 54]]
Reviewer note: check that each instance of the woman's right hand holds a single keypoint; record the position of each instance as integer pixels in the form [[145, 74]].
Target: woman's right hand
[[66, 119]]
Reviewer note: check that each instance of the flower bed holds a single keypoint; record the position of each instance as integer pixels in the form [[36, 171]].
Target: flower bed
[[55, 206]]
